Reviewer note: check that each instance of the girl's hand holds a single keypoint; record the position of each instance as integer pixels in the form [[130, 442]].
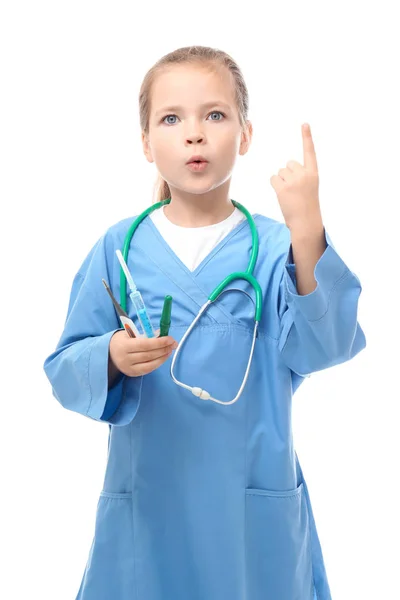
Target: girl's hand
[[139, 356], [296, 187]]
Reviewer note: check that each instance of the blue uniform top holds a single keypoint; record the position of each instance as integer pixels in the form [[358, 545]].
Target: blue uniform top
[[203, 501]]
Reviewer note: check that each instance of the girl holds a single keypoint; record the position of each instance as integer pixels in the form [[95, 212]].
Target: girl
[[204, 497]]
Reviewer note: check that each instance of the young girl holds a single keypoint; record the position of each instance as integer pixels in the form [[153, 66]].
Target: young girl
[[204, 497]]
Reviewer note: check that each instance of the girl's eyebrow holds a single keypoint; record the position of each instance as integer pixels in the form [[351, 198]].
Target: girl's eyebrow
[[179, 108]]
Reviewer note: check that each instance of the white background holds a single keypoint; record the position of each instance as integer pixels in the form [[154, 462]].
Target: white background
[[72, 165]]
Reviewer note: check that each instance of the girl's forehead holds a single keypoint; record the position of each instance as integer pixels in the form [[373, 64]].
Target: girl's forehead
[[174, 84]]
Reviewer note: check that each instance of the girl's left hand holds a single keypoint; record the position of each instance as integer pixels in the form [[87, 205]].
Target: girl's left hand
[[296, 187]]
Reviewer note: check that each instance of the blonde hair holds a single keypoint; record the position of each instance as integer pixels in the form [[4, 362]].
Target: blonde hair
[[209, 58]]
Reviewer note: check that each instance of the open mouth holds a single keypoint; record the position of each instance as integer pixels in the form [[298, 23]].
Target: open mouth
[[197, 165]]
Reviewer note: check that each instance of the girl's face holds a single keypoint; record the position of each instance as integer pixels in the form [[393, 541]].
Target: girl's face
[[193, 112]]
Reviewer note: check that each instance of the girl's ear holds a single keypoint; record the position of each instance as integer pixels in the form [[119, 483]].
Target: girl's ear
[[247, 135], [146, 148]]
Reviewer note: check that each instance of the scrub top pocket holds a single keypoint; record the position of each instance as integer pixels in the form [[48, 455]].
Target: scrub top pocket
[[110, 568], [278, 548]]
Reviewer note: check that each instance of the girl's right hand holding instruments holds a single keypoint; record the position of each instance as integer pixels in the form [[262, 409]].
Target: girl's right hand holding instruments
[[137, 356]]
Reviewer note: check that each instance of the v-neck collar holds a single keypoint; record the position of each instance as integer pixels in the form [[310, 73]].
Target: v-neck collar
[[207, 258], [170, 264]]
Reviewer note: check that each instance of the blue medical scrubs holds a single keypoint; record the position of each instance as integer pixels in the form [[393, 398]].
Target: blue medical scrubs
[[202, 501]]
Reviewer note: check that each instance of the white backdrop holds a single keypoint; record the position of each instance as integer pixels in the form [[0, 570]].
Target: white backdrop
[[72, 165]]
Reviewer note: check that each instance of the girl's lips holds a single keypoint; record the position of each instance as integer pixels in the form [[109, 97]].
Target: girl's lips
[[197, 166]]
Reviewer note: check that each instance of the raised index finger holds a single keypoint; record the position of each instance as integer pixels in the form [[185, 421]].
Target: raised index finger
[[310, 158]]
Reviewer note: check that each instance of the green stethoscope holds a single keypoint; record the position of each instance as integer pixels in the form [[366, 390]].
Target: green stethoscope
[[246, 275]]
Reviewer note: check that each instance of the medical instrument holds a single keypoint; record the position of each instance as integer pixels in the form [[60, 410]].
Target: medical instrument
[[127, 323], [165, 320], [245, 275], [137, 300]]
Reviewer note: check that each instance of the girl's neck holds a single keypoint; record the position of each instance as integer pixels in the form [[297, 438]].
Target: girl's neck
[[198, 211]]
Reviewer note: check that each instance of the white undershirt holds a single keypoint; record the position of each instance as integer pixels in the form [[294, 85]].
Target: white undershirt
[[193, 244]]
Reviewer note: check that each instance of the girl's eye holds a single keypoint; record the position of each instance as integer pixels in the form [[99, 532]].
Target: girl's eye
[[215, 112], [167, 117]]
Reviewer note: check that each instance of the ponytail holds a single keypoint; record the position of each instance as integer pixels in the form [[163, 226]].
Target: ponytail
[[161, 190]]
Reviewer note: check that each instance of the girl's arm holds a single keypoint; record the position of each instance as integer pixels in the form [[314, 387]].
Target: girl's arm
[[319, 329], [308, 245], [78, 369]]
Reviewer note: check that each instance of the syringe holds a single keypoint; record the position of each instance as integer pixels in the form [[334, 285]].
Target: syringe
[[137, 300]]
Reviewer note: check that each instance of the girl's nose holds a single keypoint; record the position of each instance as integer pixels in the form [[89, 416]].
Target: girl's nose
[[195, 139]]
